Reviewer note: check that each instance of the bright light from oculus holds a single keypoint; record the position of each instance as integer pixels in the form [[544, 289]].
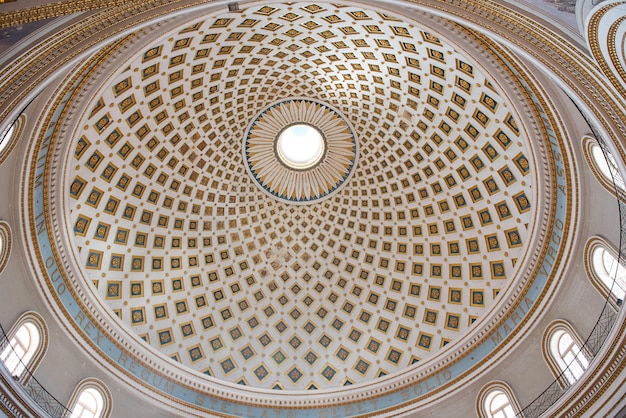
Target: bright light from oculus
[[300, 146]]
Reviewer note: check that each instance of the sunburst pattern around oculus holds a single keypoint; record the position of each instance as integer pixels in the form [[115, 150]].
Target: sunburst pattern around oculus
[[309, 182]]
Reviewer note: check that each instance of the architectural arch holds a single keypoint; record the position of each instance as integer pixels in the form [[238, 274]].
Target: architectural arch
[[603, 165], [604, 31], [25, 346], [5, 244], [564, 353], [496, 400], [9, 138], [604, 270], [90, 399]]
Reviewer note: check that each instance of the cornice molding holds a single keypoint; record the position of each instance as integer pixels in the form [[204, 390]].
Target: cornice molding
[[52, 10], [603, 25]]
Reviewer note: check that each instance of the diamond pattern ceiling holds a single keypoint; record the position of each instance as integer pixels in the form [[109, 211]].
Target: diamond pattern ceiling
[[209, 270]]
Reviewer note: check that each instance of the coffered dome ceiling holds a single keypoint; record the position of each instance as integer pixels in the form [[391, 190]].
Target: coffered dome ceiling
[[403, 244]]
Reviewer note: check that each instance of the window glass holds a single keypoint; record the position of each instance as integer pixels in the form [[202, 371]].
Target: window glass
[[90, 404], [498, 405], [23, 346], [567, 354], [608, 270], [5, 138], [604, 164]]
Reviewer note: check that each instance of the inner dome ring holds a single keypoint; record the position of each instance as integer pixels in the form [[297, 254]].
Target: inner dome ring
[[292, 182]]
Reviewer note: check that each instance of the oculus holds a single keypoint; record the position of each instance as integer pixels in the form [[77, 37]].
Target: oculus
[[300, 146]]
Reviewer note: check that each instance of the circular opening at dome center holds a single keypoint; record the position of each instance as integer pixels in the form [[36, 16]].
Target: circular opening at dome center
[[300, 146]]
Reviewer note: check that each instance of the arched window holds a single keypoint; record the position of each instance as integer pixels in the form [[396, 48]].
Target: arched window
[[89, 404], [91, 399], [562, 349], [9, 137], [603, 165], [21, 349], [496, 400], [5, 244], [27, 343], [607, 165], [6, 136], [568, 355], [605, 271], [498, 405], [612, 274]]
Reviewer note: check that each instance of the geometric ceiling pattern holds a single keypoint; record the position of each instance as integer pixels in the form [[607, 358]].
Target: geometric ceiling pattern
[[211, 271]]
